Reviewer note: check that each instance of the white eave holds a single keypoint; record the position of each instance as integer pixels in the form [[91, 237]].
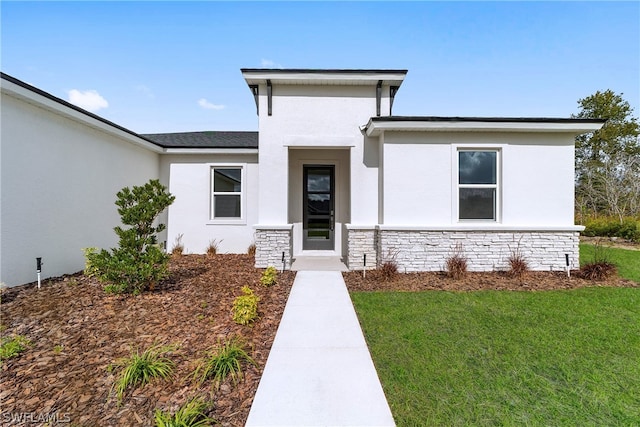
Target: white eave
[[574, 127], [324, 77], [61, 108]]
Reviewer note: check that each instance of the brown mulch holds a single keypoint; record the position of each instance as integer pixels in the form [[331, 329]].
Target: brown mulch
[[474, 281], [77, 331]]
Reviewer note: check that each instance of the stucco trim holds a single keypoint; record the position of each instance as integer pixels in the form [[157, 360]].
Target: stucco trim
[[273, 227]]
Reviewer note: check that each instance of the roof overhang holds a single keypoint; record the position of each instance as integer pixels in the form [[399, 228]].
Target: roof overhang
[[34, 96], [379, 125], [299, 76]]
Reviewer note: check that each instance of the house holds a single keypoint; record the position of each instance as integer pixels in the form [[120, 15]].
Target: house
[[331, 171]]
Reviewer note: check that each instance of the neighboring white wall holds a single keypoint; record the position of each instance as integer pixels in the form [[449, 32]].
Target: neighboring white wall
[[190, 214], [536, 186], [59, 182]]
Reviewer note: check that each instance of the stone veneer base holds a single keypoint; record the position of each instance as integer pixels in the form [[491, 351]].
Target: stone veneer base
[[270, 244], [486, 250]]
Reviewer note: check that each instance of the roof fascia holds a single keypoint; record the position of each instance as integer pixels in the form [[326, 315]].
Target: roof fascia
[[377, 127], [56, 105], [297, 76], [210, 151]]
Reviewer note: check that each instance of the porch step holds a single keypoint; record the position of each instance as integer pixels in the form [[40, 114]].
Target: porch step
[[318, 263]]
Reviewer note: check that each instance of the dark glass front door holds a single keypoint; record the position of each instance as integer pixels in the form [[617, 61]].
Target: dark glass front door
[[319, 207]]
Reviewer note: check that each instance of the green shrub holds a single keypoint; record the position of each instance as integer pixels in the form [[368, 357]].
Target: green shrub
[[13, 346], [140, 369], [191, 414], [137, 263], [224, 361], [269, 276], [629, 228], [245, 307]]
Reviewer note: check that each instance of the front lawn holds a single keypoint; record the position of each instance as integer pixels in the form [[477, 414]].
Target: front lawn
[[566, 357]]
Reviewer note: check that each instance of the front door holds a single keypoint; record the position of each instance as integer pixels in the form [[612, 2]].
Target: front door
[[319, 207]]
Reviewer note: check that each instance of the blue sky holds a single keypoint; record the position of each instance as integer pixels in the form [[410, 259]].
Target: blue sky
[[175, 66]]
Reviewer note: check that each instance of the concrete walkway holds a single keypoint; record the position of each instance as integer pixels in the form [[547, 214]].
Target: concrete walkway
[[319, 371]]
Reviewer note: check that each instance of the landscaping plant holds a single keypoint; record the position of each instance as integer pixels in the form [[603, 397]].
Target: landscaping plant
[[13, 346], [141, 368], [269, 276], [224, 361], [599, 267], [178, 247], [251, 250], [245, 307], [212, 249], [191, 414], [518, 265], [456, 264], [137, 263]]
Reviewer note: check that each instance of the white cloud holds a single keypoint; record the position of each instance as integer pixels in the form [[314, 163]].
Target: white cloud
[[267, 63], [208, 105], [90, 100]]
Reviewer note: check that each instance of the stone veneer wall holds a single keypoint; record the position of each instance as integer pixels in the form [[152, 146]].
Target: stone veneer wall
[[416, 250], [362, 241], [270, 244]]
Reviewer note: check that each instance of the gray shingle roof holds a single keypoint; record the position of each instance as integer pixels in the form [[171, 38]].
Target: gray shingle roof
[[207, 139]]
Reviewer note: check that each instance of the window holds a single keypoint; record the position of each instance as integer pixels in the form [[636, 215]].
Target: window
[[226, 200], [478, 185]]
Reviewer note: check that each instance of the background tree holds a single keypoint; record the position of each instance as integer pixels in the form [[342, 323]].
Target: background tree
[[607, 160]]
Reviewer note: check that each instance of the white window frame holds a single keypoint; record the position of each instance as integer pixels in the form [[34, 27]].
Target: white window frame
[[242, 193], [497, 186]]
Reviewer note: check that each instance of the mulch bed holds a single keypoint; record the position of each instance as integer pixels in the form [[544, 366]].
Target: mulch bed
[[474, 281], [77, 331]]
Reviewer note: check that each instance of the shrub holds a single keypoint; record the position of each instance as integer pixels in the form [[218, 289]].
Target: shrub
[[269, 276], [138, 262], [251, 250], [628, 228], [518, 265], [13, 346], [387, 270], [212, 249], [191, 414], [456, 264], [600, 267], [178, 247], [140, 369], [245, 307], [224, 361]]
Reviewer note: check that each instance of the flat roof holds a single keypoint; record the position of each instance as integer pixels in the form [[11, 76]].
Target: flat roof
[[314, 76]]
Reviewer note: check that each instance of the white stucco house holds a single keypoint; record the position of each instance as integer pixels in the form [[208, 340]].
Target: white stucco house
[[330, 171]]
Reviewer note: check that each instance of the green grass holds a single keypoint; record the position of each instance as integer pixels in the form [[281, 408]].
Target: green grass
[[627, 261], [507, 358], [141, 368]]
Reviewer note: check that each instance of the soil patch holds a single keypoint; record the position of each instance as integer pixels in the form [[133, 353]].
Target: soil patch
[[474, 281], [77, 330]]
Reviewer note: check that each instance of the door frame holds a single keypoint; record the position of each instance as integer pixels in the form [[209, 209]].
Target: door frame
[[330, 243]]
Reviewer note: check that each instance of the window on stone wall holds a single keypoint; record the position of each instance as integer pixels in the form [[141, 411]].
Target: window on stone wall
[[227, 197], [478, 185]]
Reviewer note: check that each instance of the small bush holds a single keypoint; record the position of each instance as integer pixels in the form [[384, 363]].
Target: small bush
[[137, 263], [518, 265], [140, 369], [245, 307], [191, 414], [178, 247], [224, 361], [599, 267], [213, 247], [269, 276], [251, 250], [13, 346], [456, 264], [388, 271]]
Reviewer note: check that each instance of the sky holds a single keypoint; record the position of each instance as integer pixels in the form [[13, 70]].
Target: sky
[[157, 67]]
